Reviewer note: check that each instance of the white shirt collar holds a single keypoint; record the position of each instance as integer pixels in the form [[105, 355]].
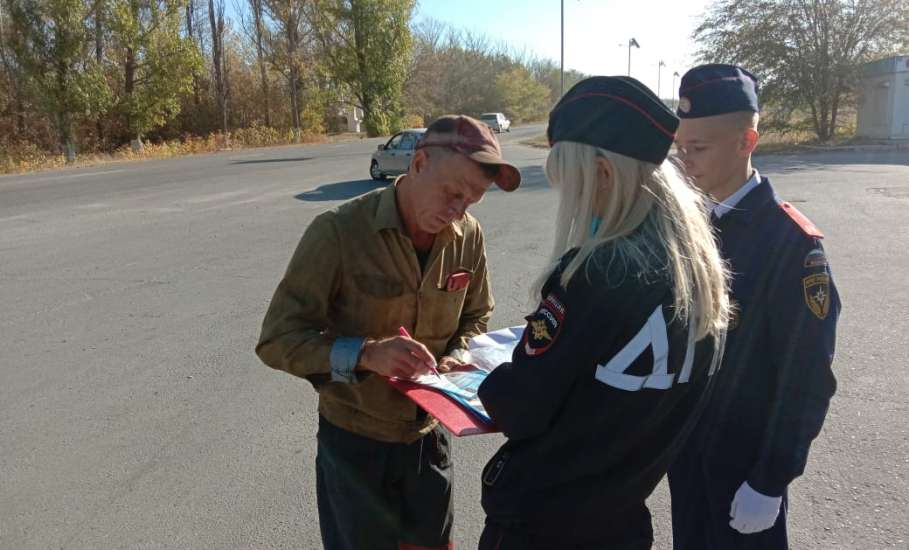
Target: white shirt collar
[[721, 208]]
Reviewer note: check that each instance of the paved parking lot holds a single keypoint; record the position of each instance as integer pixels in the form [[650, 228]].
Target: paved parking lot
[[133, 413]]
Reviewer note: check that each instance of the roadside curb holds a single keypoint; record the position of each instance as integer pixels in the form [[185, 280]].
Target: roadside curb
[[868, 148]]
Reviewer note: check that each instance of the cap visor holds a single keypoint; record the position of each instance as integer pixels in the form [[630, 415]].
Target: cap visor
[[508, 178]]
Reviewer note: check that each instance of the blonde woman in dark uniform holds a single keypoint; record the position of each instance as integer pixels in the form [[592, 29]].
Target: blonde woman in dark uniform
[[616, 361]]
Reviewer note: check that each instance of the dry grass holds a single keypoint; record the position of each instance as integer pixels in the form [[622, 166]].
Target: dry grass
[[773, 143], [770, 143], [25, 157]]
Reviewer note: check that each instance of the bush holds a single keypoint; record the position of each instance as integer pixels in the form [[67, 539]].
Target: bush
[[412, 121], [258, 136], [24, 157], [19, 156], [376, 124], [311, 119]]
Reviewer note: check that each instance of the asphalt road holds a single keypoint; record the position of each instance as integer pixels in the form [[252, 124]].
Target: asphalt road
[[134, 414]]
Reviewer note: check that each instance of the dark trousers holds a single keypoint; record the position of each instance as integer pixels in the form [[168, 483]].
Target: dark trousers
[[628, 530], [700, 511], [374, 495]]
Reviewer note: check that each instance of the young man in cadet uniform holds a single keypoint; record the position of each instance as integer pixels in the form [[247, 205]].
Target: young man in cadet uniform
[[405, 256], [773, 389]]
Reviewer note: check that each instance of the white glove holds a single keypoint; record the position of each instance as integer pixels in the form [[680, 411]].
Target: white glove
[[752, 512]]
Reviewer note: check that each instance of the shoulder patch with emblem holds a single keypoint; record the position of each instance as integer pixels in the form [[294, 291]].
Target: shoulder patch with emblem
[[815, 258], [544, 326], [801, 220], [817, 294]]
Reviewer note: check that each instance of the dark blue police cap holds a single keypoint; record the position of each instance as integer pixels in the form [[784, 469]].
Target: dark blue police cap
[[709, 90], [615, 113]]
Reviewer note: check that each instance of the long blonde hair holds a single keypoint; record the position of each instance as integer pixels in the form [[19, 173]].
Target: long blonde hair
[[655, 220]]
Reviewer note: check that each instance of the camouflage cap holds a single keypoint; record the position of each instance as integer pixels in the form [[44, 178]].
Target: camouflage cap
[[473, 139]]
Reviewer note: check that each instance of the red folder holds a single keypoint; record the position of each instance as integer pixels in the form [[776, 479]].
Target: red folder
[[459, 421]]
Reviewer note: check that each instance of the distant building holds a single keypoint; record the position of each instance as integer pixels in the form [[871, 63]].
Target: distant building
[[351, 118], [883, 103]]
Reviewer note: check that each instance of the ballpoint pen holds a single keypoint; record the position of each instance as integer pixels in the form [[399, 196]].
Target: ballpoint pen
[[403, 332]]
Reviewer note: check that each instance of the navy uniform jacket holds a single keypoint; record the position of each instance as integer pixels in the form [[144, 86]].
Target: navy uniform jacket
[[598, 398], [775, 383]]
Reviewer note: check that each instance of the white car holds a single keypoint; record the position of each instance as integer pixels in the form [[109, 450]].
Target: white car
[[497, 121], [393, 157]]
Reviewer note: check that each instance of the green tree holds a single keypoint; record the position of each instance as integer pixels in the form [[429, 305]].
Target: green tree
[[423, 87], [258, 35], [10, 78], [287, 45], [158, 63], [454, 71], [548, 72], [367, 47], [523, 98], [52, 46], [219, 59], [471, 65], [808, 53]]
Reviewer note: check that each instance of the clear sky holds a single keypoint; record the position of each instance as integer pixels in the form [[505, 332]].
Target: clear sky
[[596, 32]]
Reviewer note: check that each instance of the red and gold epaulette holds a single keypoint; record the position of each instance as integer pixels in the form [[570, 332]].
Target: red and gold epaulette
[[802, 221]]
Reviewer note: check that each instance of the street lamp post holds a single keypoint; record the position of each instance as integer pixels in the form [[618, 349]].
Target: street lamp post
[[674, 75], [660, 66], [631, 42], [562, 62]]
